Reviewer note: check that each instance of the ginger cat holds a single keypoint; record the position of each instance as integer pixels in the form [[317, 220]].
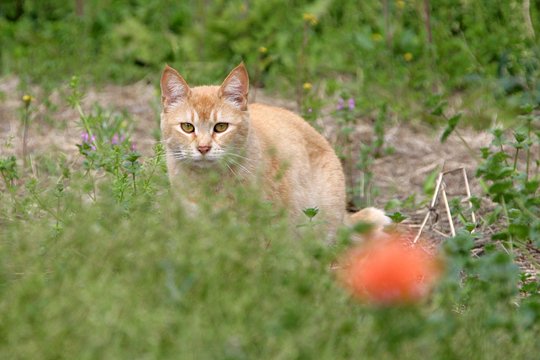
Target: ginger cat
[[214, 127]]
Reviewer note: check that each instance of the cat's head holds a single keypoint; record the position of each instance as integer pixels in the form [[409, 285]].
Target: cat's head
[[202, 125]]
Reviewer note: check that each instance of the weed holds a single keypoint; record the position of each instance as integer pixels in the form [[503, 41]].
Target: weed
[[513, 188], [8, 170], [130, 274], [27, 99]]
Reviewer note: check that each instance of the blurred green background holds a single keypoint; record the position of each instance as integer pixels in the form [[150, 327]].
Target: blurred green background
[[377, 49]]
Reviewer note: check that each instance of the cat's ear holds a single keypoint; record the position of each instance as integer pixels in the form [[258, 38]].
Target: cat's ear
[[235, 88], [174, 89]]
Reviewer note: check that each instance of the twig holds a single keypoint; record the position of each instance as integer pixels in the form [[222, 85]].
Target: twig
[[448, 212], [431, 206], [472, 152], [453, 170], [440, 233], [440, 188], [468, 190]]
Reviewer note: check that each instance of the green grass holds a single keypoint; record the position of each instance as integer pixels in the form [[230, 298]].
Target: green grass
[[339, 46], [150, 281], [99, 260]]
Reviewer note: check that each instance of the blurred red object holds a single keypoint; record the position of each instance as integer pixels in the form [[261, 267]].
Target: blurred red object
[[389, 271]]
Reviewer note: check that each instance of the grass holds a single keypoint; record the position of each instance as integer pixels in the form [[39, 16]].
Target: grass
[[104, 278], [99, 260], [385, 51]]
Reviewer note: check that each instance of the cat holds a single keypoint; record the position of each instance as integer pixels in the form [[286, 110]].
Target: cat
[[214, 127]]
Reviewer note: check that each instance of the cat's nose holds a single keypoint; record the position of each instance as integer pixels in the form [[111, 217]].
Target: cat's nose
[[203, 149]]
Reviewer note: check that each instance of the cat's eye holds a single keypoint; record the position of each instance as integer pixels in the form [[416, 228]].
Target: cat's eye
[[187, 127], [221, 127]]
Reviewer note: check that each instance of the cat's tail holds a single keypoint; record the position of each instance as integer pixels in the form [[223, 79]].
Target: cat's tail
[[369, 215]]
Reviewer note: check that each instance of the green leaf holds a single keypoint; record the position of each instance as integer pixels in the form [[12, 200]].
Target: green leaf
[[311, 212], [397, 217], [527, 108], [438, 110], [392, 204], [521, 231], [450, 127], [520, 136], [430, 182], [501, 235], [459, 245], [534, 233], [362, 227], [501, 187], [531, 187]]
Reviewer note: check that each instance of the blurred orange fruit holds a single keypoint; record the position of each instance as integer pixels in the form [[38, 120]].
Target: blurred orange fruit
[[389, 271]]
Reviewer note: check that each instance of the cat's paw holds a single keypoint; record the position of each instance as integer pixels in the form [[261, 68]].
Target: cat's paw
[[372, 215]]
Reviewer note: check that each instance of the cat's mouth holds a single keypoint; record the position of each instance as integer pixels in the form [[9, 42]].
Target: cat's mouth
[[204, 162]]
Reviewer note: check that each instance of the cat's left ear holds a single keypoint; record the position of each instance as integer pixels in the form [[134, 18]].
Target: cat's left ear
[[235, 88]]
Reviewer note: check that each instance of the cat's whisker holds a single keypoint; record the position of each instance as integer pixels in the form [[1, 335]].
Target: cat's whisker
[[242, 167], [178, 154], [232, 171], [244, 158]]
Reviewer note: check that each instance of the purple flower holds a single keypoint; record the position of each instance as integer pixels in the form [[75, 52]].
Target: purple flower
[[115, 140], [310, 110], [90, 140], [133, 147], [87, 139], [340, 104], [351, 104]]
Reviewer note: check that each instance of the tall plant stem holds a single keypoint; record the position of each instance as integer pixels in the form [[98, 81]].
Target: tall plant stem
[[301, 68], [85, 123], [516, 159], [387, 31], [427, 19], [26, 116], [527, 18]]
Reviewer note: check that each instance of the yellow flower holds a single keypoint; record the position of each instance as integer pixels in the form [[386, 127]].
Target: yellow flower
[[408, 56], [310, 18], [27, 99], [376, 37], [307, 86], [400, 4], [263, 50]]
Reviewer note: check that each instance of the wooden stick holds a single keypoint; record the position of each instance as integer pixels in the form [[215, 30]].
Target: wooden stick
[[448, 213], [422, 226], [452, 171], [431, 206], [468, 189], [441, 233]]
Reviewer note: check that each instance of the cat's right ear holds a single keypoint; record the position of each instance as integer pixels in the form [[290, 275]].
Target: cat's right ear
[[174, 89]]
